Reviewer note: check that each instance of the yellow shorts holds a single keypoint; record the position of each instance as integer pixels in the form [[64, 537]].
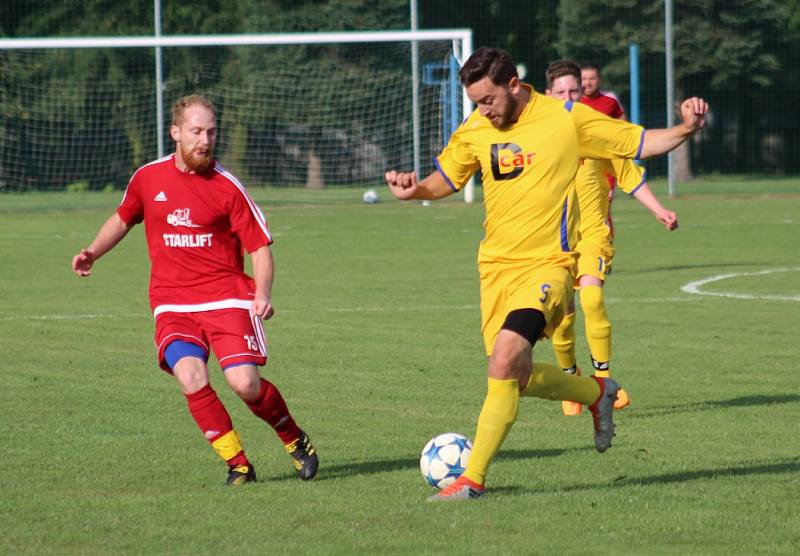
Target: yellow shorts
[[594, 259], [547, 289]]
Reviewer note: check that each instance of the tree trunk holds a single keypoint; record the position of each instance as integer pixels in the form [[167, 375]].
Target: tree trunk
[[749, 151], [314, 179], [683, 168], [236, 153]]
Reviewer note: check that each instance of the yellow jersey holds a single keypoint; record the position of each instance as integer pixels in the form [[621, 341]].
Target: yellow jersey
[[593, 192], [528, 172]]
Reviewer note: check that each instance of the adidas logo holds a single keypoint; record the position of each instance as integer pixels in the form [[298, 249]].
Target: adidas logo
[[160, 197]]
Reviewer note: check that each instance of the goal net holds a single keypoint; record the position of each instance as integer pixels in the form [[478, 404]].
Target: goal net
[[333, 113]]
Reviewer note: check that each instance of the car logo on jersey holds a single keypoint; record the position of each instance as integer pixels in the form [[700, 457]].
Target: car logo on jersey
[[509, 160], [180, 217]]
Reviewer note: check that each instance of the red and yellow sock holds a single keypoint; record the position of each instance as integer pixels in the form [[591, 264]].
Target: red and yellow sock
[[270, 406], [215, 424]]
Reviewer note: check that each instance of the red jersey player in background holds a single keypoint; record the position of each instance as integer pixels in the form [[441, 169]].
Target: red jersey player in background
[[604, 102], [595, 247], [601, 101], [198, 221]]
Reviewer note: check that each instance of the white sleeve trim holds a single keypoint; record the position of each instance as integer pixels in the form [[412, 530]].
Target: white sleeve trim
[[259, 216]]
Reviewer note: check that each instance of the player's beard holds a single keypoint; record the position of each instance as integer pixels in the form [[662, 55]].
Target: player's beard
[[505, 118], [196, 162]]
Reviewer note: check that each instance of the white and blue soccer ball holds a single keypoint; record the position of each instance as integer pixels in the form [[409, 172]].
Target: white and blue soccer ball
[[370, 196], [444, 458]]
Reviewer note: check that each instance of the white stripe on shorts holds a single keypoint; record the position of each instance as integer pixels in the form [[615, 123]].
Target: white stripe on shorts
[[261, 338]]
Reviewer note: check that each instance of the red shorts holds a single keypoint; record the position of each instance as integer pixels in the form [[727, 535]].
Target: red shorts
[[233, 335]]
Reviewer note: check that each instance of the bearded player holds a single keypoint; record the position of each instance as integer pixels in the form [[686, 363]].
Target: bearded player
[[608, 104], [198, 222], [528, 148]]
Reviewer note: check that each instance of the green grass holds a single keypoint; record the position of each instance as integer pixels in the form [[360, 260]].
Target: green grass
[[376, 347]]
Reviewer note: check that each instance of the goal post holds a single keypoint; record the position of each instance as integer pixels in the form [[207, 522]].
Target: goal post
[[325, 108]]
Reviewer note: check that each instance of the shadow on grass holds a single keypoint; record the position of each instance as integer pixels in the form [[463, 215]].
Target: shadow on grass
[[743, 401], [785, 466], [352, 469]]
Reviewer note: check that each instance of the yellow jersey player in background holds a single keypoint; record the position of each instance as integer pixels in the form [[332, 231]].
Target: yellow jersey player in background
[[595, 244], [528, 147]]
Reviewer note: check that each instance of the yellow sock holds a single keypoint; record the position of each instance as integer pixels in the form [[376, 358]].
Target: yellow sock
[[498, 414], [564, 342], [551, 383], [598, 328], [227, 445]]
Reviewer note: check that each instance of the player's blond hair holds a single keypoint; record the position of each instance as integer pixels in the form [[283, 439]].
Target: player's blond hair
[[179, 108]]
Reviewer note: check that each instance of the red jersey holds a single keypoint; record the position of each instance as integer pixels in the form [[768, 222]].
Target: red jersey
[[197, 226], [605, 103]]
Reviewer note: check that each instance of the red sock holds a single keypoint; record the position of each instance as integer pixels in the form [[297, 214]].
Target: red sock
[[238, 459], [270, 407], [214, 421]]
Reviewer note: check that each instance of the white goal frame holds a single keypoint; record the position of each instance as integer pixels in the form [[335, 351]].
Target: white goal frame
[[461, 39]]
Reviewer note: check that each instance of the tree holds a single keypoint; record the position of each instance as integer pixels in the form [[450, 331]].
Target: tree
[[527, 30], [79, 83], [320, 120], [724, 51], [91, 82]]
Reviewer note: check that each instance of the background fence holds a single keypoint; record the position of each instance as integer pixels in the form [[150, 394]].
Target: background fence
[[337, 113], [320, 116]]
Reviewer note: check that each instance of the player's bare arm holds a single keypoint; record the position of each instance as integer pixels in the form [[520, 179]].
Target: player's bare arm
[[111, 232], [661, 141], [404, 186], [668, 218], [263, 274]]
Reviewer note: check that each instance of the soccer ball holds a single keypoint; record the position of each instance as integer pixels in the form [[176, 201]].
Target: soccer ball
[[370, 196], [444, 458]]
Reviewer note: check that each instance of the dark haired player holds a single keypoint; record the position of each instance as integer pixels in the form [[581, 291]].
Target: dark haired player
[[528, 148]]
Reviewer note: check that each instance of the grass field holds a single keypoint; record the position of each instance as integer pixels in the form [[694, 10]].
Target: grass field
[[376, 347]]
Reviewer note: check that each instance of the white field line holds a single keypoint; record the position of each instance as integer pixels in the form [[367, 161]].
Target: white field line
[[694, 287], [615, 300], [57, 317], [690, 288], [406, 309]]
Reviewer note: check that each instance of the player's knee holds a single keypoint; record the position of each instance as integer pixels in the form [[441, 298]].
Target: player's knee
[[592, 300], [591, 303], [507, 363], [188, 364], [191, 381], [244, 380], [528, 323]]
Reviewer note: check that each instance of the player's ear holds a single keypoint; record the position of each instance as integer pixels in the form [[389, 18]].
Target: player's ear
[[174, 132], [514, 84]]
